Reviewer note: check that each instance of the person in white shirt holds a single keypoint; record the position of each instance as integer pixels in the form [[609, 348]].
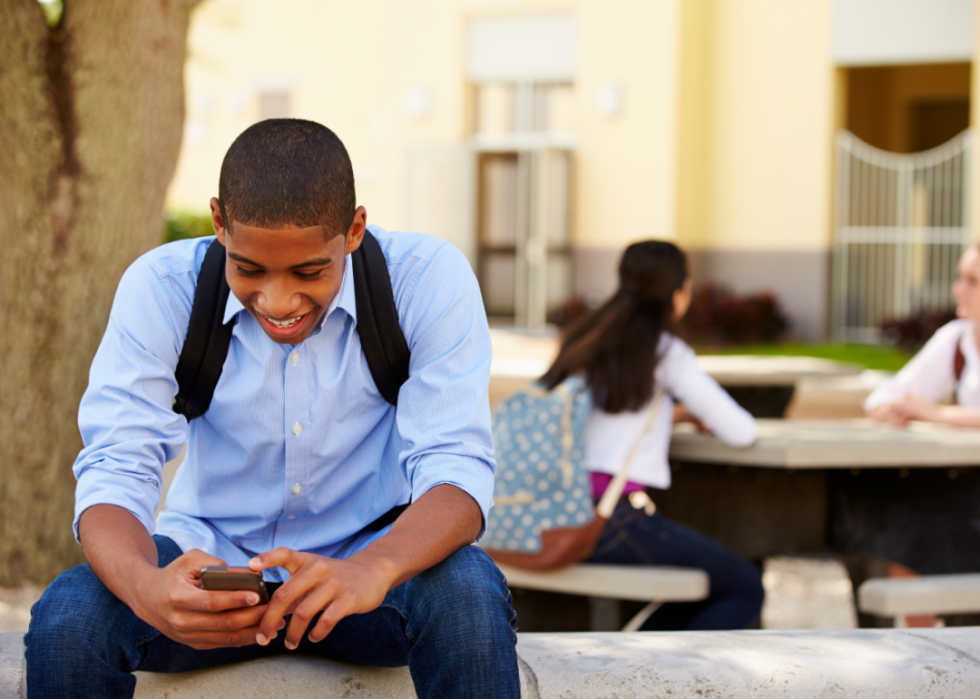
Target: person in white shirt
[[628, 355], [949, 361]]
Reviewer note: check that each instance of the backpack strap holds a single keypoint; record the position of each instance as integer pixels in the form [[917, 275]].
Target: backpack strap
[[615, 488], [206, 345], [382, 340], [381, 335]]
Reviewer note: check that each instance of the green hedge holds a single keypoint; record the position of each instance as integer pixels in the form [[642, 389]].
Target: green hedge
[[180, 225]]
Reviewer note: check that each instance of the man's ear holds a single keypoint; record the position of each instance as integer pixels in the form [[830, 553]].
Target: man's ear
[[355, 234], [217, 222]]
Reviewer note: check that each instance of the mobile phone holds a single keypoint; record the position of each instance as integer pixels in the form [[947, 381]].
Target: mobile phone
[[231, 578]]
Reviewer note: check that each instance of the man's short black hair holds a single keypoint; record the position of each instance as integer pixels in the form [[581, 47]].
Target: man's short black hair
[[283, 172]]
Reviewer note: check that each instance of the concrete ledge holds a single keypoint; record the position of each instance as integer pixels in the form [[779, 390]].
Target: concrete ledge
[[12, 666], [800, 664], [763, 664], [286, 676]]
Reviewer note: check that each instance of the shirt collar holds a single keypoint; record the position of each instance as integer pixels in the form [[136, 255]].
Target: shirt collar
[[344, 299], [232, 308]]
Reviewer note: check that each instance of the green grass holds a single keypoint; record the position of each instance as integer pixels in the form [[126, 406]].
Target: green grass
[[881, 357]]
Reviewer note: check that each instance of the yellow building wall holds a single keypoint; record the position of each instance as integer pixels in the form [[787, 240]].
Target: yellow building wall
[[768, 88], [694, 121], [626, 184], [351, 66], [974, 203]]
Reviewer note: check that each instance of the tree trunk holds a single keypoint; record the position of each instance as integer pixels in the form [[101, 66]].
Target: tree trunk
[[91, 115]]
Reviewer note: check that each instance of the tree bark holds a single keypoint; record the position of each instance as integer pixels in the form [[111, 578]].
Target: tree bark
[[91, 116]]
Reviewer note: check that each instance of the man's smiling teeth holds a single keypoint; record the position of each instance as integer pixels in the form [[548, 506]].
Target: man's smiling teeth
[[283, 323]]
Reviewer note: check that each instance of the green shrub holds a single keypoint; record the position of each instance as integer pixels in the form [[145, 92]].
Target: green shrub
[[180, 225]]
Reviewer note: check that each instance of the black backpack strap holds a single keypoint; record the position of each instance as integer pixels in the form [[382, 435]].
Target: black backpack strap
[[377, 319], [206, 346], [387, 518]]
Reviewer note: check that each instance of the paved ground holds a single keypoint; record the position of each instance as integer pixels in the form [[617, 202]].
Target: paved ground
[[15, 607], [807, 593]]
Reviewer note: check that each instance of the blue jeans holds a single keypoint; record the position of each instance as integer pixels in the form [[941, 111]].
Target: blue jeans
[[634, 538], [453, 625]]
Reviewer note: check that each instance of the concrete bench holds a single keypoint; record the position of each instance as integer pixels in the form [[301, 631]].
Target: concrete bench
[[869, 663], [927, 594], [604, 583]]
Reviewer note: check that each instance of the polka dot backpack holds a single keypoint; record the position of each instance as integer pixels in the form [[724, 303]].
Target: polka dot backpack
[[543, 516]]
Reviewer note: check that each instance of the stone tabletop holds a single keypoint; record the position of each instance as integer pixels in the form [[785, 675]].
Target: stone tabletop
[[854, 443], [750, 370]]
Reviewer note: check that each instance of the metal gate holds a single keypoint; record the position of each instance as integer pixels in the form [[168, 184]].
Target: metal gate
[[901, 225]]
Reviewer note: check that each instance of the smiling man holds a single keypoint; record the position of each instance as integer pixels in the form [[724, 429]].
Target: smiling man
[[295, 462]]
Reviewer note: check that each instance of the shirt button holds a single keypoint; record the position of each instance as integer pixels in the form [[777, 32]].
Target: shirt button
[[297, 489], [297, 428], [294, 357], [290, 516]]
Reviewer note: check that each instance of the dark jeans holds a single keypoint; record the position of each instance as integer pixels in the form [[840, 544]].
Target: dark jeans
[[634, 538], [452, 625]]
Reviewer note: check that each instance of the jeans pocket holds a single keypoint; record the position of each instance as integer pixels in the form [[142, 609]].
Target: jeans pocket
[[617, 531], [609, 542]]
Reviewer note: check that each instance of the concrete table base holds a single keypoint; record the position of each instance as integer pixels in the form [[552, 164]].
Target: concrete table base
[[800, 664]]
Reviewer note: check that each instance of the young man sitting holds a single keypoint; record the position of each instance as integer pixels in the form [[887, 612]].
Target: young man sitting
[[297, 459]]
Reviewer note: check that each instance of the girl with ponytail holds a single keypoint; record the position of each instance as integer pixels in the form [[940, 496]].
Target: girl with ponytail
[[626, 351]]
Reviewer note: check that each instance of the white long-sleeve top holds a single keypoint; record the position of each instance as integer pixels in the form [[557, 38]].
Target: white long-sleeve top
[[930, 373], [611, 437]]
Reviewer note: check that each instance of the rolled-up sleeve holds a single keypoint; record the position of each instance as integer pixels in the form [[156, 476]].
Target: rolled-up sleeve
[[126, 419], [443, 412]]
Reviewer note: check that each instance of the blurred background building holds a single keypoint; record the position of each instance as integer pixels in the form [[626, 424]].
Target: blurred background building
[[779, 142]]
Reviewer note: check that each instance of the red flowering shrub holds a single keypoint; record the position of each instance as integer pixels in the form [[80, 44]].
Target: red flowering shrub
[[716, 317], [911, 332], [721, 317]]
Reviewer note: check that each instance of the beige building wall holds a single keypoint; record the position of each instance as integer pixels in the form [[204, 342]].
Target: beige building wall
[[756, 129], [352, 67], [723, 141], [694, 123], [341, 66], [974, 210], [626, 186], [772, 125], [757, 102]]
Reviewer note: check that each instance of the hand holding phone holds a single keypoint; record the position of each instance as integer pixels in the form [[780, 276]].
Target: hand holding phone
[[232, 578]]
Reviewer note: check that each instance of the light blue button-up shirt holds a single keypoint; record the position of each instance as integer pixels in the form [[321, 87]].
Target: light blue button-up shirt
[[298, 448]]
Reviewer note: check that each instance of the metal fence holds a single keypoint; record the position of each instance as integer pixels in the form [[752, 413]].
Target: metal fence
[[901, 224]]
